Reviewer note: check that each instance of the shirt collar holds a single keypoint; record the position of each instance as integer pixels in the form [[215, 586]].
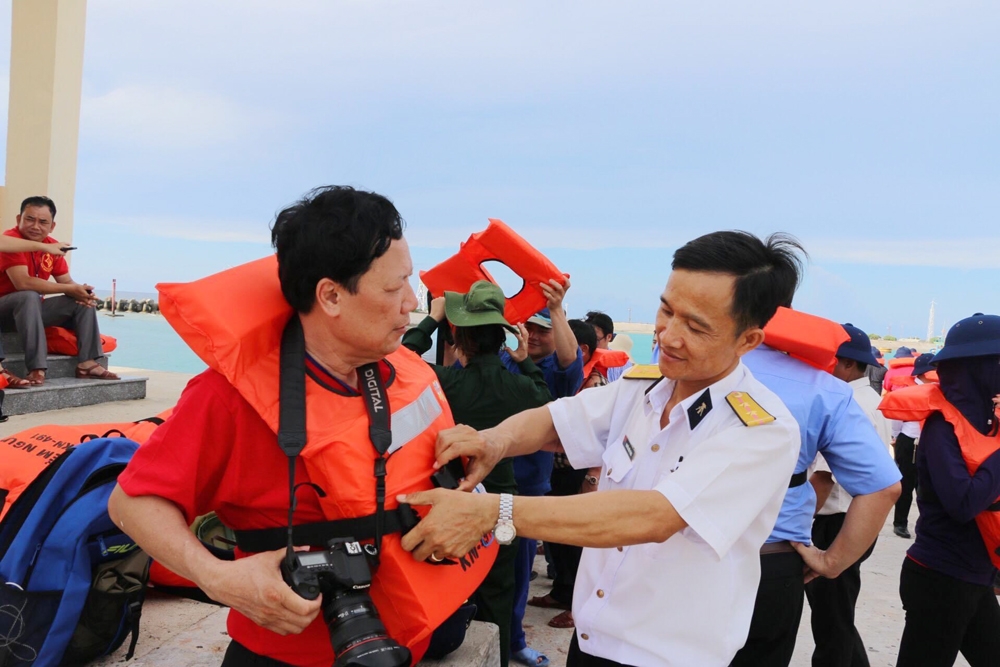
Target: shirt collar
[[860, 382], [659, 394]]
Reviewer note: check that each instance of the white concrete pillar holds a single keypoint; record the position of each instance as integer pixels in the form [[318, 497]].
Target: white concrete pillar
[[43, 126]]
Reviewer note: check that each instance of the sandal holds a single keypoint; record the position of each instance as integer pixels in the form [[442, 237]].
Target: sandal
[[12, 381], [562, 620], [95, 372], [530, 657], [36, 378], [547, 602]]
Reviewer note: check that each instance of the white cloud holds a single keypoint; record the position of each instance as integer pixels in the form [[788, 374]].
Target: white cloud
[[960, 253], [168, 119]]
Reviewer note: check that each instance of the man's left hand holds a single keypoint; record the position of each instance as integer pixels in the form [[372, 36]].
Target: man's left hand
[[455, 524], [817, 563]]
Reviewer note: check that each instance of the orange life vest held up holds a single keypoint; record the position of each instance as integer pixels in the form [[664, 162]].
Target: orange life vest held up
[[24, 455], [497, 242], [809, 338], [917, 404], [601, 360], [239, 336]]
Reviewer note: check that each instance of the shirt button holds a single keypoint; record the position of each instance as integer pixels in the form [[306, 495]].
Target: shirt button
[[655, 448], [584, 636], [600, 593], [609, 472]]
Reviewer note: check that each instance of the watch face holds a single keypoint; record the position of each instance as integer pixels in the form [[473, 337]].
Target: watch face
[[505, 533]]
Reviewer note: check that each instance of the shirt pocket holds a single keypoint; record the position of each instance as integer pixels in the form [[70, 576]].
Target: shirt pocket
[[617, 466]]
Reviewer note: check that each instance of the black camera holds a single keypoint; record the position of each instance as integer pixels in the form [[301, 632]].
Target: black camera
[[342, 575]]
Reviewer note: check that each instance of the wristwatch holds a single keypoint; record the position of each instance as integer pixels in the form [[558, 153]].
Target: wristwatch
[[590, 479], [504, 530]]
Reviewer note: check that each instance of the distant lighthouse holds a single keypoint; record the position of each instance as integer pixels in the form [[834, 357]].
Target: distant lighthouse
[[930, 323]]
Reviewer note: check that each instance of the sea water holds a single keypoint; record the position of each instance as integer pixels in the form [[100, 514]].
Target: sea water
[[148, 341]]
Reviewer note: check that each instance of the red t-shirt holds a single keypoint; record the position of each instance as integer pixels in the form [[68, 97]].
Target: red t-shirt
[[40, 264], [216, 453]]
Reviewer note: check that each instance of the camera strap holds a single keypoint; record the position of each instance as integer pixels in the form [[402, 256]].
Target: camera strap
[[292, 421]]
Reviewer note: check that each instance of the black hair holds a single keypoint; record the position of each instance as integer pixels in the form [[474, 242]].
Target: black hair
[[333, 232], [479, 340], [767, 272], [860, 365], [585, 334], [39, 200], [602, 320]]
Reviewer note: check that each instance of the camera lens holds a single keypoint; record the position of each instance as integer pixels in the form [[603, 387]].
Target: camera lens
[[357, 633]]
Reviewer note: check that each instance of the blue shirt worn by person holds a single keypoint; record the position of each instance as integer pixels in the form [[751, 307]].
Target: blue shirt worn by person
[[831, 422], [532, 471]]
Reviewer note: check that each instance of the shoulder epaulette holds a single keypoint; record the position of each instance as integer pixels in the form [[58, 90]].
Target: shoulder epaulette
[[747, 409], [643, 372]]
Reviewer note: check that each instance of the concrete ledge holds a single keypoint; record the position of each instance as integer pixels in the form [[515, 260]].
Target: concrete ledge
[[182, 632], [58, 393]]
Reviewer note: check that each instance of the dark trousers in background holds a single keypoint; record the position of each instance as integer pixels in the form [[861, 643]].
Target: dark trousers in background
[[776, 613], [904, 455], [577, 658], [495, 596], [30, 314], [945, 616], [523, 562], [832, 601], [565, 557]]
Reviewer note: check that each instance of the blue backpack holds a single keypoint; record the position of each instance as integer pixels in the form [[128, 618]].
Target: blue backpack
[[71, 583]]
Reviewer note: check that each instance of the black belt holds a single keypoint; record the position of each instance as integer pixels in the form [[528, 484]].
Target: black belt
[[399, 520], [798, 479]]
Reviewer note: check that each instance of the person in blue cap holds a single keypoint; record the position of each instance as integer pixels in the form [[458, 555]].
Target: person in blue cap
[[831, 423], [833, 600], [946, 583], [904, 452]]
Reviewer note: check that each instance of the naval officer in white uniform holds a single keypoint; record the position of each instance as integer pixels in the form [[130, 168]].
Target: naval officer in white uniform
[[694, 469]]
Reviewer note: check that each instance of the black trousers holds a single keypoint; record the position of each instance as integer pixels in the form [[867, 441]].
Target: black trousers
[[776, 613], [495, 596], [945, 616], [577, 658], [238, 655], [905, 461], [565, 557], [832, 601]]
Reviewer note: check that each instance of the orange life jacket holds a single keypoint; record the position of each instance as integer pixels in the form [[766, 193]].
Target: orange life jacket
[[601, 360], [63, 341], [500, 243], [917, 404], [234, 321], [24, 455], [809, 338]]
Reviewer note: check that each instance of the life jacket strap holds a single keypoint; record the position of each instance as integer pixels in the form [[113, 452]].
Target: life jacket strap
[[317, 534]]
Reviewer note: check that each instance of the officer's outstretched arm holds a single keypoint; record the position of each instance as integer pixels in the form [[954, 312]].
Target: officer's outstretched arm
[[252, 585]]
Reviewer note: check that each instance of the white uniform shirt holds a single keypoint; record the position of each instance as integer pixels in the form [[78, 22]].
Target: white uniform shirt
[[839, 499], [910, 429], [686, 601]]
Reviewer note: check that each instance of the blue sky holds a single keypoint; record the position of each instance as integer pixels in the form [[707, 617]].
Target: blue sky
[[606, 134]]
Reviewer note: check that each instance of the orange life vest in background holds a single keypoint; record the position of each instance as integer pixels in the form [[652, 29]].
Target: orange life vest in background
[[24, 455], [809, 338], [60, 340], [602, 360], [920, 402], [240, 337], [500, 243]]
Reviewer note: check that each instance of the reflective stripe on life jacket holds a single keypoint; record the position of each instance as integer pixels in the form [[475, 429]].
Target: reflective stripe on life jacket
[[240, 337], [920, 402], [24, 455], [601, 360], [500, 243], [809, 338]]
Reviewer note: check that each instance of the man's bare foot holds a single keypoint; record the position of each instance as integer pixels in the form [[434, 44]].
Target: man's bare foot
[[94, 371], [37, 377]]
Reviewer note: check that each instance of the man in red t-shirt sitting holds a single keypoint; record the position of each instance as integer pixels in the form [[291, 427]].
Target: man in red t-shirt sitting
[[24, 281]]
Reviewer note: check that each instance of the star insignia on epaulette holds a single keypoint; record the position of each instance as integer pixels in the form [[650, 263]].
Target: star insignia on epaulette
[[747, 409]]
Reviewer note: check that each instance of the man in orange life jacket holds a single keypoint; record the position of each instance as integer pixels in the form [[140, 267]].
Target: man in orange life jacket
[[345, 267], [604, 327]]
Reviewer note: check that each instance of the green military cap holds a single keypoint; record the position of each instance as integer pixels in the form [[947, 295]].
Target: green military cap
[[483, 304]]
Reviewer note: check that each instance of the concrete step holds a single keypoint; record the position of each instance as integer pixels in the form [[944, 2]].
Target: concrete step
[[58, 393], [59, 365]]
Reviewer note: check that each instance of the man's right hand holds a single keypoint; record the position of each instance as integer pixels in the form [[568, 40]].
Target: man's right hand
[[253, 586], [461, 440], [82, 294]]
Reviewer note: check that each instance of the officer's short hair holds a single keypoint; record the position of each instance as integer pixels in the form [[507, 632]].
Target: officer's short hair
[[767, 272], [333, 232]]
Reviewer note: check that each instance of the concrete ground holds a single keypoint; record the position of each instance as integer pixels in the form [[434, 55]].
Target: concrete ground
[[182, 623]]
